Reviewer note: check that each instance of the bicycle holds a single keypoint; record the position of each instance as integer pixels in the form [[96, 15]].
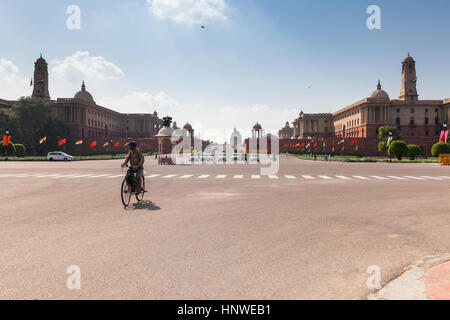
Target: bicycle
[[129, 185]]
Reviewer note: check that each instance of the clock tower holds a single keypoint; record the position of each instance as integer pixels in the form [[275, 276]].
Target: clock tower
[[40, 89], [409, 80]]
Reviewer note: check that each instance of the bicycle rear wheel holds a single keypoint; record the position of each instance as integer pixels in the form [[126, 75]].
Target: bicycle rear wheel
[[140, 196], [125, 193]]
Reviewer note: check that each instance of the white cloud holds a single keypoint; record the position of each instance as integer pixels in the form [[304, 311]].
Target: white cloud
[[12, 84], [81, 66], [188, 11]]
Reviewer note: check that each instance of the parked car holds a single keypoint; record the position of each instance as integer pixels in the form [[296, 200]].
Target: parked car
[[59, 156], [254, 158], [207, 157]]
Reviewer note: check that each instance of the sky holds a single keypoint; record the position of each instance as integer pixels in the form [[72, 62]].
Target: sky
[[255, 60]]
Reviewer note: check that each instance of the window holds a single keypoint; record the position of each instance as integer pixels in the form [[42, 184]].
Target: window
[[397, 121], [398, 110], [426, 121], [427, 133], [412, 110], [436, 120], [411, 121]]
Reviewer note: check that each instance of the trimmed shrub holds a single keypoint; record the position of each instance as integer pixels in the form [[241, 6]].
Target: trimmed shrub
[[10, 148], [382, 146], [398, 149], [440, 148], [20, 150], [414, 151]]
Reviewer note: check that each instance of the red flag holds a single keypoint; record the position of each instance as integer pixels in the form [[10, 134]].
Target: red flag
[[441, 139], [116, 145], [334, 144], [355, 141], [446, 137], [315, 145], [8, 140], [5, 138], [302, 145], [93, 144], [61, 142]]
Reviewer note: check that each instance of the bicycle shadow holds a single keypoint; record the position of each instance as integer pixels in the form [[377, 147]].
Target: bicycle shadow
[[145, 205]]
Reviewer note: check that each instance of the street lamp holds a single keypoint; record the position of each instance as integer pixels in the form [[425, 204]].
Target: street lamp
[[390, 141], [6, 146]]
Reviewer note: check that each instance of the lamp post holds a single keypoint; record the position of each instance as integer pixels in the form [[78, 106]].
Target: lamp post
[[390, 141], [7, 145]]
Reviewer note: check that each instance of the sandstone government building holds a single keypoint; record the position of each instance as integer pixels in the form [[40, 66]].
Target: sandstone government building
[[419, 121], [89, 121]]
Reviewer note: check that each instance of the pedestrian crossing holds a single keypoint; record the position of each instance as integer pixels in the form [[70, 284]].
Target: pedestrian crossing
[[287, 177]]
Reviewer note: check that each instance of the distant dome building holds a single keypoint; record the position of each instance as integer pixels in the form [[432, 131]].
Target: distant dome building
[[84, 95], [380, 94]]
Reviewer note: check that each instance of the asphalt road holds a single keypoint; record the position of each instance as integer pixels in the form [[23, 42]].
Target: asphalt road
[[217, 231]]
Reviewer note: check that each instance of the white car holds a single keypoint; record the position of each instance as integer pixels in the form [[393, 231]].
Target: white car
[[59, 156]]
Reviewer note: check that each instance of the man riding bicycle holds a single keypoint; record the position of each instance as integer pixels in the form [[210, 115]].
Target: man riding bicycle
[[136, 159]]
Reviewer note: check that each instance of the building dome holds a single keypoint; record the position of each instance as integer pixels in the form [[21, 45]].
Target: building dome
[[257, 127], [165, 132], [84, 95], [408, 59], [187, 127], [380, 94], [41, 60]]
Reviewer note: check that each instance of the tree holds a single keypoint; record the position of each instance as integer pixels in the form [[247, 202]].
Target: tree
[[398, 149], [382, 146], [31, 120], [414, 151], [440, 148], [383, 133]]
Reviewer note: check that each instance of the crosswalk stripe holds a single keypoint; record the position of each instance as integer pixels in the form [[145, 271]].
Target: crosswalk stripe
[[444, 177], [308, 177], [204, 176], [81, 176], [98, 176], [291, 177], [117, 176], [153, 176], [361, 178], [379, 178], [238, 177], [48, 176], [187, 176], [325, 177], [273, 177], [169, 176], [221, 176], [397, 178], [432, 178], [256, 177], [414, 178], [343, 177]]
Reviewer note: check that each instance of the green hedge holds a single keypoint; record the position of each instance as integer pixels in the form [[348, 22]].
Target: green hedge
[[10, 148], [440, 148], [398, 149], [21, 151], [414, 151]]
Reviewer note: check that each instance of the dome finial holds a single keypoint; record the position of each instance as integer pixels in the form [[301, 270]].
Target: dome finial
[[83, 86], [379, 85]]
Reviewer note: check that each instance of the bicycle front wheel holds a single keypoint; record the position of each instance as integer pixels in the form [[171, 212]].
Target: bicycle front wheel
[[125, 193]]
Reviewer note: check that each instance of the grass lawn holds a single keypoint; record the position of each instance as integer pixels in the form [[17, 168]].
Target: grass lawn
[[75, 158], [349, 158]]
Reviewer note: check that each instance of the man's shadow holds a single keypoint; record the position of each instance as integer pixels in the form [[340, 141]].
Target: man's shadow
[[145, 205]]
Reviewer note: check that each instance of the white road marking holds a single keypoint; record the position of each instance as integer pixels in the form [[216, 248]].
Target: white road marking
[[361, 178], [256, 177], [444, 177], [117, 176], [432, 178], [169, 176], [238, 177], [98, 176], [325, 177], [204, 176], [221, 176], [308, 177], [153, 176], [379, 178], [291, 177], [397, 178], [81, 176], [186, 176], [48, 176], [343, 177], [414, 178], [273, 177]]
